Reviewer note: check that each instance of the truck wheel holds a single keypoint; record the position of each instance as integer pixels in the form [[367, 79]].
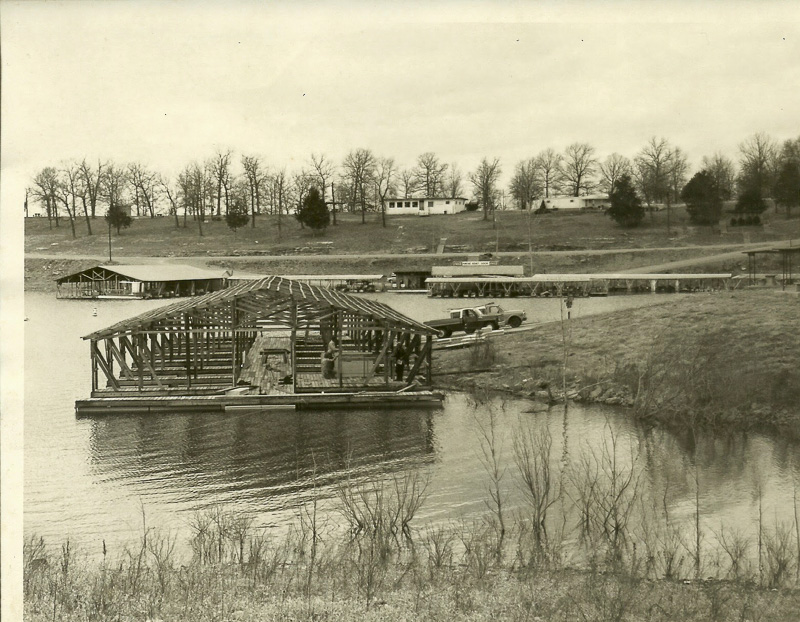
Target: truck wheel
[[446, 333], [514, 322], [469, 330], [495, 325]]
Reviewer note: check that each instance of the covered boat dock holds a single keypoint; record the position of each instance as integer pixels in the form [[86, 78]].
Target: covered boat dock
[[140, 281], [595, 284], [273, 341]]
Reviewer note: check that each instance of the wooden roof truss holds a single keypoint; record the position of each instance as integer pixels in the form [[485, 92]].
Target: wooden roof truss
[[211, 344]]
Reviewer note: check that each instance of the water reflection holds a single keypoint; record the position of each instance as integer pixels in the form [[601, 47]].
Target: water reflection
[[266, 459]]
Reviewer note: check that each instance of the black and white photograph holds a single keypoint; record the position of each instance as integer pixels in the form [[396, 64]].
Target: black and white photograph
[[393, 311]]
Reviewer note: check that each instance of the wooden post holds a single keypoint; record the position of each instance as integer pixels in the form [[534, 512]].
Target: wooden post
[[292, 343], [140, 360], [429, 356], [234, 352], [92, 348], [338, 333]]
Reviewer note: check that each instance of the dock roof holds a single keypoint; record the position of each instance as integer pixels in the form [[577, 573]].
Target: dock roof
[[258, 300], [149, 272]]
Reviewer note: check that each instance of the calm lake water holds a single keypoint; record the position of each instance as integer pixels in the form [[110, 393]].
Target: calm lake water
[[89, 479]]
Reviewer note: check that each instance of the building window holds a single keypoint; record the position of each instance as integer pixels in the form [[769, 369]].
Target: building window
[[447, 202], [572, 200], [430, 203], [408, 203], [413, 204], [391, 203]]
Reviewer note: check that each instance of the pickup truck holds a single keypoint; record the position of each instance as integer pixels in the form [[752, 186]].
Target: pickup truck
[[494, 311], [472, 318]]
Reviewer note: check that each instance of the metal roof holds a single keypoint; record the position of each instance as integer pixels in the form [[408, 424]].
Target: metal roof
[[153, 272], [278, 287]]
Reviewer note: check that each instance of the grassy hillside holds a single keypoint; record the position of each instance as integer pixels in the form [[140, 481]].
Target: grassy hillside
[[465, 231], [717, 358]]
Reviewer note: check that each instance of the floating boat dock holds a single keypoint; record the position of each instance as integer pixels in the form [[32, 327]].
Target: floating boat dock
[[597, 284], [140, 281], [267, 342], [227, 403]]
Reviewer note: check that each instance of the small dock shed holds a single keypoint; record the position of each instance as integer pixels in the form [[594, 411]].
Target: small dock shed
[[271, 341], [140, 281]]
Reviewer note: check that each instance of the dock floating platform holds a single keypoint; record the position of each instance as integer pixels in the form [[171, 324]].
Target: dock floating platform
[[221, 403]]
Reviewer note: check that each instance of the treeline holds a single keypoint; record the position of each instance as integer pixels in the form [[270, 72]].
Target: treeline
[[363, 181]]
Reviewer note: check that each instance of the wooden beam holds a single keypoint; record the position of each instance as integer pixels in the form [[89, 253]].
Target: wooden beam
[[415, 368], [147, 359], [123, 365], [381, 357], [98, 358]]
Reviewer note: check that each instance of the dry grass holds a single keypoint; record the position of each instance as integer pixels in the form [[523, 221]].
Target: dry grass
[[555, 231], [742, 344], [463, 572]]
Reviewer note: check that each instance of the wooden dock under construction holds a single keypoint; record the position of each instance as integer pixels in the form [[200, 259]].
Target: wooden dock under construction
[[259, 343]]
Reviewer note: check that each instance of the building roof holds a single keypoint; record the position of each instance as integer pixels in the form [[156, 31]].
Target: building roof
[[257, 301], [148, 272]]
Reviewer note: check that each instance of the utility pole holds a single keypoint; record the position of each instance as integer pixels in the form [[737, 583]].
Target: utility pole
[[333, 203]]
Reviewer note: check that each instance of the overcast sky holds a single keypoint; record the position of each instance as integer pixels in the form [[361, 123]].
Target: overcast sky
[[168, 83]]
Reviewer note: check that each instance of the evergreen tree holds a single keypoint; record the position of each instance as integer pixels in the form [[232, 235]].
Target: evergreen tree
[[702, 199], [237, 215], [626, 207], [314, 213], [750, 201], [117, 217], [787, 186]]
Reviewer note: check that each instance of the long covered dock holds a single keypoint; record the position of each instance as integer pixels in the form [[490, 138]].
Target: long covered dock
[[273, 341], [140, 281], [597, 284]]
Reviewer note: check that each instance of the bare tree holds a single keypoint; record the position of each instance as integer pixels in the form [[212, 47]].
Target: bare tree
[[45, 189], [77, 188], [652, 171], [115, 180], [612, 169], [678, 172], [385, 172], [429, 174], [758, 157], [145, 185], [192, 182], [548, 167], [484, 182], [93, 181], [723, 171], [578, 168], [256, 178], [525, 186], [454, 181], [359, 168], [408, 182], [173, 196], [280, 192], [72, 188], [324, 170], [219, 168]]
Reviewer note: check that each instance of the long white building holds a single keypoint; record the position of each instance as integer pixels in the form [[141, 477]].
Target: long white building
[[590, 201], [426, 206]]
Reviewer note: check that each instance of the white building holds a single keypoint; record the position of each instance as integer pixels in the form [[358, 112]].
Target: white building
[[590, 201], [426, 206]]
